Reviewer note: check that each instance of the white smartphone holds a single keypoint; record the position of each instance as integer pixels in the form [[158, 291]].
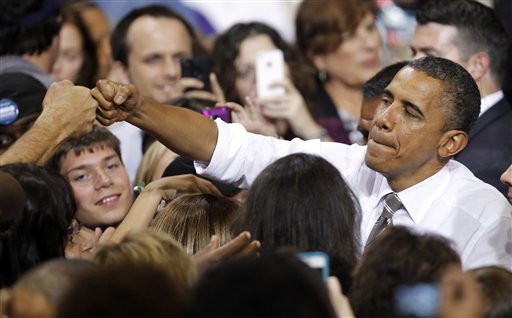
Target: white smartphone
[[269, 69], [319, 261]]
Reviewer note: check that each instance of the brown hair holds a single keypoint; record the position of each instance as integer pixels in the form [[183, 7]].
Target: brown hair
[[496, 285], [320, 25], [99, 137], [192, 219], [151, 248], [397, 257]]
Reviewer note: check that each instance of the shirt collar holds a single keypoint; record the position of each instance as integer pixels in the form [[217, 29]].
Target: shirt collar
[[489, 100], [415, 199], [418, 198]]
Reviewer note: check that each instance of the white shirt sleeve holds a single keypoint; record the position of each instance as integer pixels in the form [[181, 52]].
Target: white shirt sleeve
[[240, 156]]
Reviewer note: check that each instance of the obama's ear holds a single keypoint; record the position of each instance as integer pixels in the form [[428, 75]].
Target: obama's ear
[[452, 142]]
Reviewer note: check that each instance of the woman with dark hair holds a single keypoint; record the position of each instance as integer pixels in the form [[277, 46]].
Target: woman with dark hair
[[77, 59], [234, 57], [40, 232], [399, 257], [341, 40], [274, 285], [301, 201]]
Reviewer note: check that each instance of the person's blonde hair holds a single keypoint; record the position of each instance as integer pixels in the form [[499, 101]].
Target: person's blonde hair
[[153, 248], [150, 162], [192, 219]]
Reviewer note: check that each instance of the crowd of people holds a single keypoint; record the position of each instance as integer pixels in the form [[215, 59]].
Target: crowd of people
[[120, 198]]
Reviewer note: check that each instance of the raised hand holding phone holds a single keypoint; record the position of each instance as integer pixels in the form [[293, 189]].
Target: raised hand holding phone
[[199, 68], [319, 261], [269, 69]]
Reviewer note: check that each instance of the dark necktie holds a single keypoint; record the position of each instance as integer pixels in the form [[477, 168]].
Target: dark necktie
[[391, 204]]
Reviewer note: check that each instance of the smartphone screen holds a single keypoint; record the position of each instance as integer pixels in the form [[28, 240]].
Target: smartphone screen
[[419, 300], [199, 68], [269, 69], [319, 261]]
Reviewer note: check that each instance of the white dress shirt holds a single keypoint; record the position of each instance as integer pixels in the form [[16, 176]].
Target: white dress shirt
[[452, 202], [131, 138], [490, 100]]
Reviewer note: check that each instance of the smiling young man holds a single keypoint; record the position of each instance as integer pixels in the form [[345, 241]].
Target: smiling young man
[[101, 186], [422, 122]]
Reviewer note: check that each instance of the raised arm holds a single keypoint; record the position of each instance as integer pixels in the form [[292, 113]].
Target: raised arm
[[183, 131], [145, 206], [67, 110]]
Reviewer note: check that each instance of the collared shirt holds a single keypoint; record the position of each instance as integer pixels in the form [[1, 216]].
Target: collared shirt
[[490, 100], [17, 64], [452, 202], [130, 139]]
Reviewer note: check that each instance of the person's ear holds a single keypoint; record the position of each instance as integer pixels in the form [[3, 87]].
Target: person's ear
[[478, 65], [119, 73], [452, 142]]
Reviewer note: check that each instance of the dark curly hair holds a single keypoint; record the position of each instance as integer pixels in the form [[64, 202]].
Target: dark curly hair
[[40, 232], [28, 26]]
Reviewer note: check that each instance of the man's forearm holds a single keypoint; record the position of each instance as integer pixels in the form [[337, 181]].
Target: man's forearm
[[35, 146], [183, 131]]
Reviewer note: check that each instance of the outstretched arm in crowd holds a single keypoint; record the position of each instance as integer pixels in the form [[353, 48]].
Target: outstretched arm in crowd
[[183, 131], [145, 206], [67, 110]]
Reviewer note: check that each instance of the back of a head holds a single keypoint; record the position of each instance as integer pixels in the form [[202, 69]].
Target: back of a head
[[99, 137], [375, 86], [496, 285], [397, 257], [53, 278], [28, 26], [41, 230], [151, 248], [269, 286], [183, 165], [21, 96], [119, 37], [460, 98], [191, 219], [479, 30], [302, 201], [137, 290], [38, 292]]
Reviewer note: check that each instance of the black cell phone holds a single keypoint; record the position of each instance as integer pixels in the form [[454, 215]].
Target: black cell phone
[[199, 68]]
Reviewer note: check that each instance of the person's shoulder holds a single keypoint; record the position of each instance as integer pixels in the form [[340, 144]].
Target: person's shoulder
[[470, 194]]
